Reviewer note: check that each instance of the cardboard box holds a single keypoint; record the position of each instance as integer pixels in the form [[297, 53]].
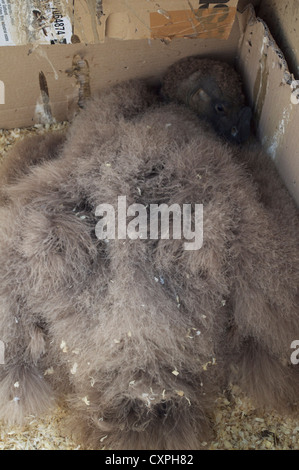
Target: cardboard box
[[282, 18], [93, 21], [54, 54], [274, 96]]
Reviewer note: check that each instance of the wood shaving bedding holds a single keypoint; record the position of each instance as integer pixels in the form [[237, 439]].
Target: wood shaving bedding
[[239, 425], [9, 137]]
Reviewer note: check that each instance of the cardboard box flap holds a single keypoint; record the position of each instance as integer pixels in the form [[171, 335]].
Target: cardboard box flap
[[92, 21], [274, 95], [35, 22], [140, 19], [41, 22]]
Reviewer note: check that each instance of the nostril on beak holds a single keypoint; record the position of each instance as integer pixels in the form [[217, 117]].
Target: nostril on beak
[[234, 131]]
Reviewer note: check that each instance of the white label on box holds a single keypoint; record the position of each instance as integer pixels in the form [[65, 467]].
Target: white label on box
[[34, 22]]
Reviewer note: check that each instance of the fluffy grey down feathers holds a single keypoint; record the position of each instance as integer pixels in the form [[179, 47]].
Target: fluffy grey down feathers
[[139, 361]]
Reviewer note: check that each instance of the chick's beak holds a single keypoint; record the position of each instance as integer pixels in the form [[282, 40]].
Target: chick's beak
[[241, 131]]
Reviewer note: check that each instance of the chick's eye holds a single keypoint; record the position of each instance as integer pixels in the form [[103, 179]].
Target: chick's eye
[[219, 108]]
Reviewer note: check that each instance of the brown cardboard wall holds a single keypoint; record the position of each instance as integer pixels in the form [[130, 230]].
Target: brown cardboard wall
[[282, 17], [274, 96], [67, 71]]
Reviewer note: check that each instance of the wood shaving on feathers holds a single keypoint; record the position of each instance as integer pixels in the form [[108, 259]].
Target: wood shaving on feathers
[[239, 425]]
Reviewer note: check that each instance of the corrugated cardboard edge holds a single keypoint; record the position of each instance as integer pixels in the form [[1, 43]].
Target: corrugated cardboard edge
[[274, 95]]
